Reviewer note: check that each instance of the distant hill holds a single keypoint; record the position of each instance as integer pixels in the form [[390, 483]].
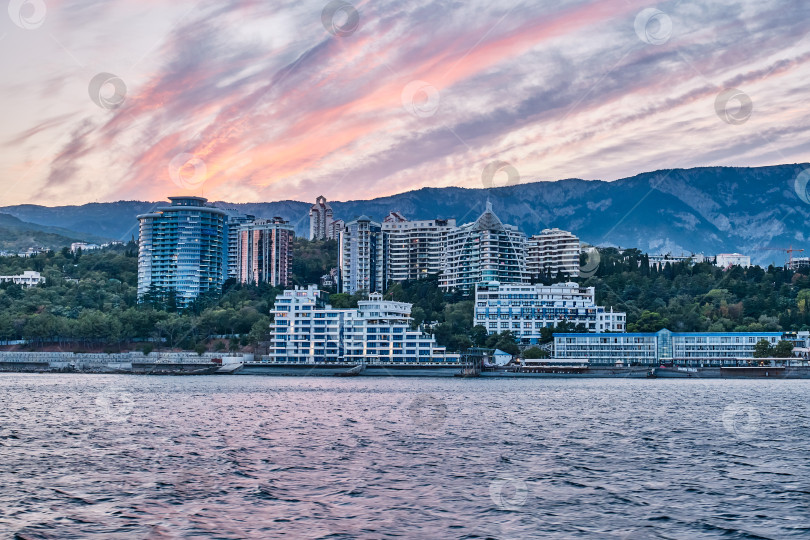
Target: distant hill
[[18, 235], [708, 209]]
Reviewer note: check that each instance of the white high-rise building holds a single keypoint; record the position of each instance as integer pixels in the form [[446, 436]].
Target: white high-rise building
[[553, 252], [306, 329], [526, 309], [333, 231], [320, 219], [415, 248], [484, 250], [234, 223], [361, 257]]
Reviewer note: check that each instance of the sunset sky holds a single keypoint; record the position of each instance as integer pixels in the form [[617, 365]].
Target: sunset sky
[[260, 101]]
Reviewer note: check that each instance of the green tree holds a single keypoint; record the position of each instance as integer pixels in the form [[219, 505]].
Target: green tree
[[783, 349], [534, 353], [762, 349]]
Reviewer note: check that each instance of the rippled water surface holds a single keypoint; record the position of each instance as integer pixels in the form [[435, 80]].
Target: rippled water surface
[[265, 457]]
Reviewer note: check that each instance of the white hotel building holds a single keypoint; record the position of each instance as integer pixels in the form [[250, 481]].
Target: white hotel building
[[527, 309], [308, 330], [661, 347]]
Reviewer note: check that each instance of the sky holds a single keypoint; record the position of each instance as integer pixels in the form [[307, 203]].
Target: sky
[[248, 101]]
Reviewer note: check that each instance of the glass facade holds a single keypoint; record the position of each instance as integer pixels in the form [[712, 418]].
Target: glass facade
[[182, 250]]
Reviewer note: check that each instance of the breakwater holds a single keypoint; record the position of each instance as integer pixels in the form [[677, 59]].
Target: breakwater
[[21, 361]]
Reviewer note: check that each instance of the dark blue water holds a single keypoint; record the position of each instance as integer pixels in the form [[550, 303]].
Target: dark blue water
[[263, 457]]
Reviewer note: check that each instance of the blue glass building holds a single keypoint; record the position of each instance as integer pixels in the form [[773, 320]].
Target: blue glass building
[[183, 250]]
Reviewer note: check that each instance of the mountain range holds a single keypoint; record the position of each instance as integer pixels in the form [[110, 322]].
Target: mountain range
[[17, 235], [702, 210]]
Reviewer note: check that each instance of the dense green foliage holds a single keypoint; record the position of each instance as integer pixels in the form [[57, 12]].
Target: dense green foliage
[[312, 259], [89, 300], [701, 298], [763, 349]]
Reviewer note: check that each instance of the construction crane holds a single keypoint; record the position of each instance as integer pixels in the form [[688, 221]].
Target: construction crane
[[789, 251]]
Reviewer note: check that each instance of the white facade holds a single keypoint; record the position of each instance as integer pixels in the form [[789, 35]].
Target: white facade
[[482, 251], [553, 252], [320, 219], [661, 347], [28, 278], [361, 257], [235, 221], [333, 231], [659, 261], [725, 260], [798, 262], [306, 329], [84, 246], [526, 309], [415, 249]]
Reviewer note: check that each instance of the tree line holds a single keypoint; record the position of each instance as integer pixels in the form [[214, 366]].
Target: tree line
[[90, 299]]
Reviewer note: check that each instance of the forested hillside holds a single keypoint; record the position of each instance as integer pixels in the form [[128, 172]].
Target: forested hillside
[[89, 302]]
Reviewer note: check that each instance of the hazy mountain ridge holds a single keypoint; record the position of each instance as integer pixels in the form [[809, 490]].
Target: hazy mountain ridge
[[18, 235], [708, 209]]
